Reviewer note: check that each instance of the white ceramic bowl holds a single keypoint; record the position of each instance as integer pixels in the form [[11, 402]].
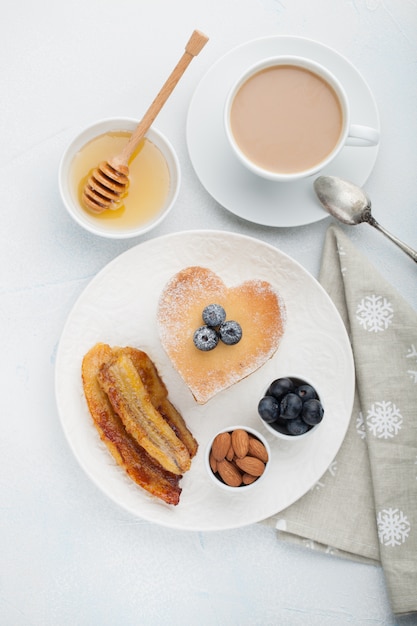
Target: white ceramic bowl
[[216, 478], [67, 189], [294, 438]]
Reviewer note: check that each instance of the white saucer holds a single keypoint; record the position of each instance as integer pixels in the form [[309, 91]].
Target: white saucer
[[230, 183]]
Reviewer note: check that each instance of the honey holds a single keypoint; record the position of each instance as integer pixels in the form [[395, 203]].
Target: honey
[[149, 179]]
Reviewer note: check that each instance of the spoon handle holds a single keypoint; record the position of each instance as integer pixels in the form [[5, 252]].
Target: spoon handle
[[404, 247]]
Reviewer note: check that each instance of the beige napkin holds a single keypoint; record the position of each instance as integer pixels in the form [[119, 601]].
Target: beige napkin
[[365, 505]]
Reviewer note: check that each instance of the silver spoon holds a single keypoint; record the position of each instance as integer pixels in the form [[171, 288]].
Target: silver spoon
[[350, 204]]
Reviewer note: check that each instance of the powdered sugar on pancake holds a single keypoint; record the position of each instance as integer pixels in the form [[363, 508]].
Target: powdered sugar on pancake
[[255, 304]]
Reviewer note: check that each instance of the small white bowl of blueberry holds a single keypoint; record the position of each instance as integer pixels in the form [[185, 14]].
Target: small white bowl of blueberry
[[291, 408]]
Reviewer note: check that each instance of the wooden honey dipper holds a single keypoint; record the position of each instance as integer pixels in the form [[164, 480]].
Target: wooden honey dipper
[[109, 181]]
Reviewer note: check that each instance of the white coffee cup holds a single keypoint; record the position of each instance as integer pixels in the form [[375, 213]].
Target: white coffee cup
[[288, 117]]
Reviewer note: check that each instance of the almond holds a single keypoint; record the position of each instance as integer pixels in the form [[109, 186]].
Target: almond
[[213, 463], [220, 446], [229, 473], [230, 454], [251, 465], [257, 449], [240, 442], [248, 479]]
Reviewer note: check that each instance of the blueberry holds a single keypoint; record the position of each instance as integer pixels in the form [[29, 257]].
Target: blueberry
[[312, 412], [290, 406], [214, 315], [280, 387], [297, 426], [205, 338], [306, 392], [268, 409], [280, 425], [230, 332]]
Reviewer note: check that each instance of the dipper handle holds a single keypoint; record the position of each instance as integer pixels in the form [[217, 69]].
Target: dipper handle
[[194, 46]]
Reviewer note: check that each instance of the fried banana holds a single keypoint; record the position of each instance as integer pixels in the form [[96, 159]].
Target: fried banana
[[176, 422], [148, 373], [131, 401], [158, 394], [141, 468]]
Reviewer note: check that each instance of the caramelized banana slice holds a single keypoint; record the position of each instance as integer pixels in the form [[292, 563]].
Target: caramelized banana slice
[[141, 468], [130, 400], [147, 371], [159, 396], [176, 421]]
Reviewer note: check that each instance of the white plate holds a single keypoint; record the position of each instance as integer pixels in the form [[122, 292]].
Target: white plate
[[119, 306], [250, 197]]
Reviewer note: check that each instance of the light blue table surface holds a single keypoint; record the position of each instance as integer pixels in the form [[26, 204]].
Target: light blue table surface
[[69, 556]]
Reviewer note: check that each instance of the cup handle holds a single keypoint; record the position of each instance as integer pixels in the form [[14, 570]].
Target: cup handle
[[362, 136]]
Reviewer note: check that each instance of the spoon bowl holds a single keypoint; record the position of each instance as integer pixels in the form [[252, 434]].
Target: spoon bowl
[[350, 205]]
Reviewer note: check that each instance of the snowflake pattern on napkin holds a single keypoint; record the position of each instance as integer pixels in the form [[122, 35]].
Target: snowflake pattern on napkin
[[384, 419], [374, 313], [412, 354], [393, 527]]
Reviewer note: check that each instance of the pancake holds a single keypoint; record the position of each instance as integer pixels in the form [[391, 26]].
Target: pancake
[[254, 304]]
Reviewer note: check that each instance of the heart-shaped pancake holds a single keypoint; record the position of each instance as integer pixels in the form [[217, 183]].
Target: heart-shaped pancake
[[254, 304]]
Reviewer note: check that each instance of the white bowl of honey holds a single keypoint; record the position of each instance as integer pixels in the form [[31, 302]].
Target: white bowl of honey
[[154, 178]]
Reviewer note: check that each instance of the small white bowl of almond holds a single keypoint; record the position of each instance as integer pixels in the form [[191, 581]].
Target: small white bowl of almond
[[237, 458]]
